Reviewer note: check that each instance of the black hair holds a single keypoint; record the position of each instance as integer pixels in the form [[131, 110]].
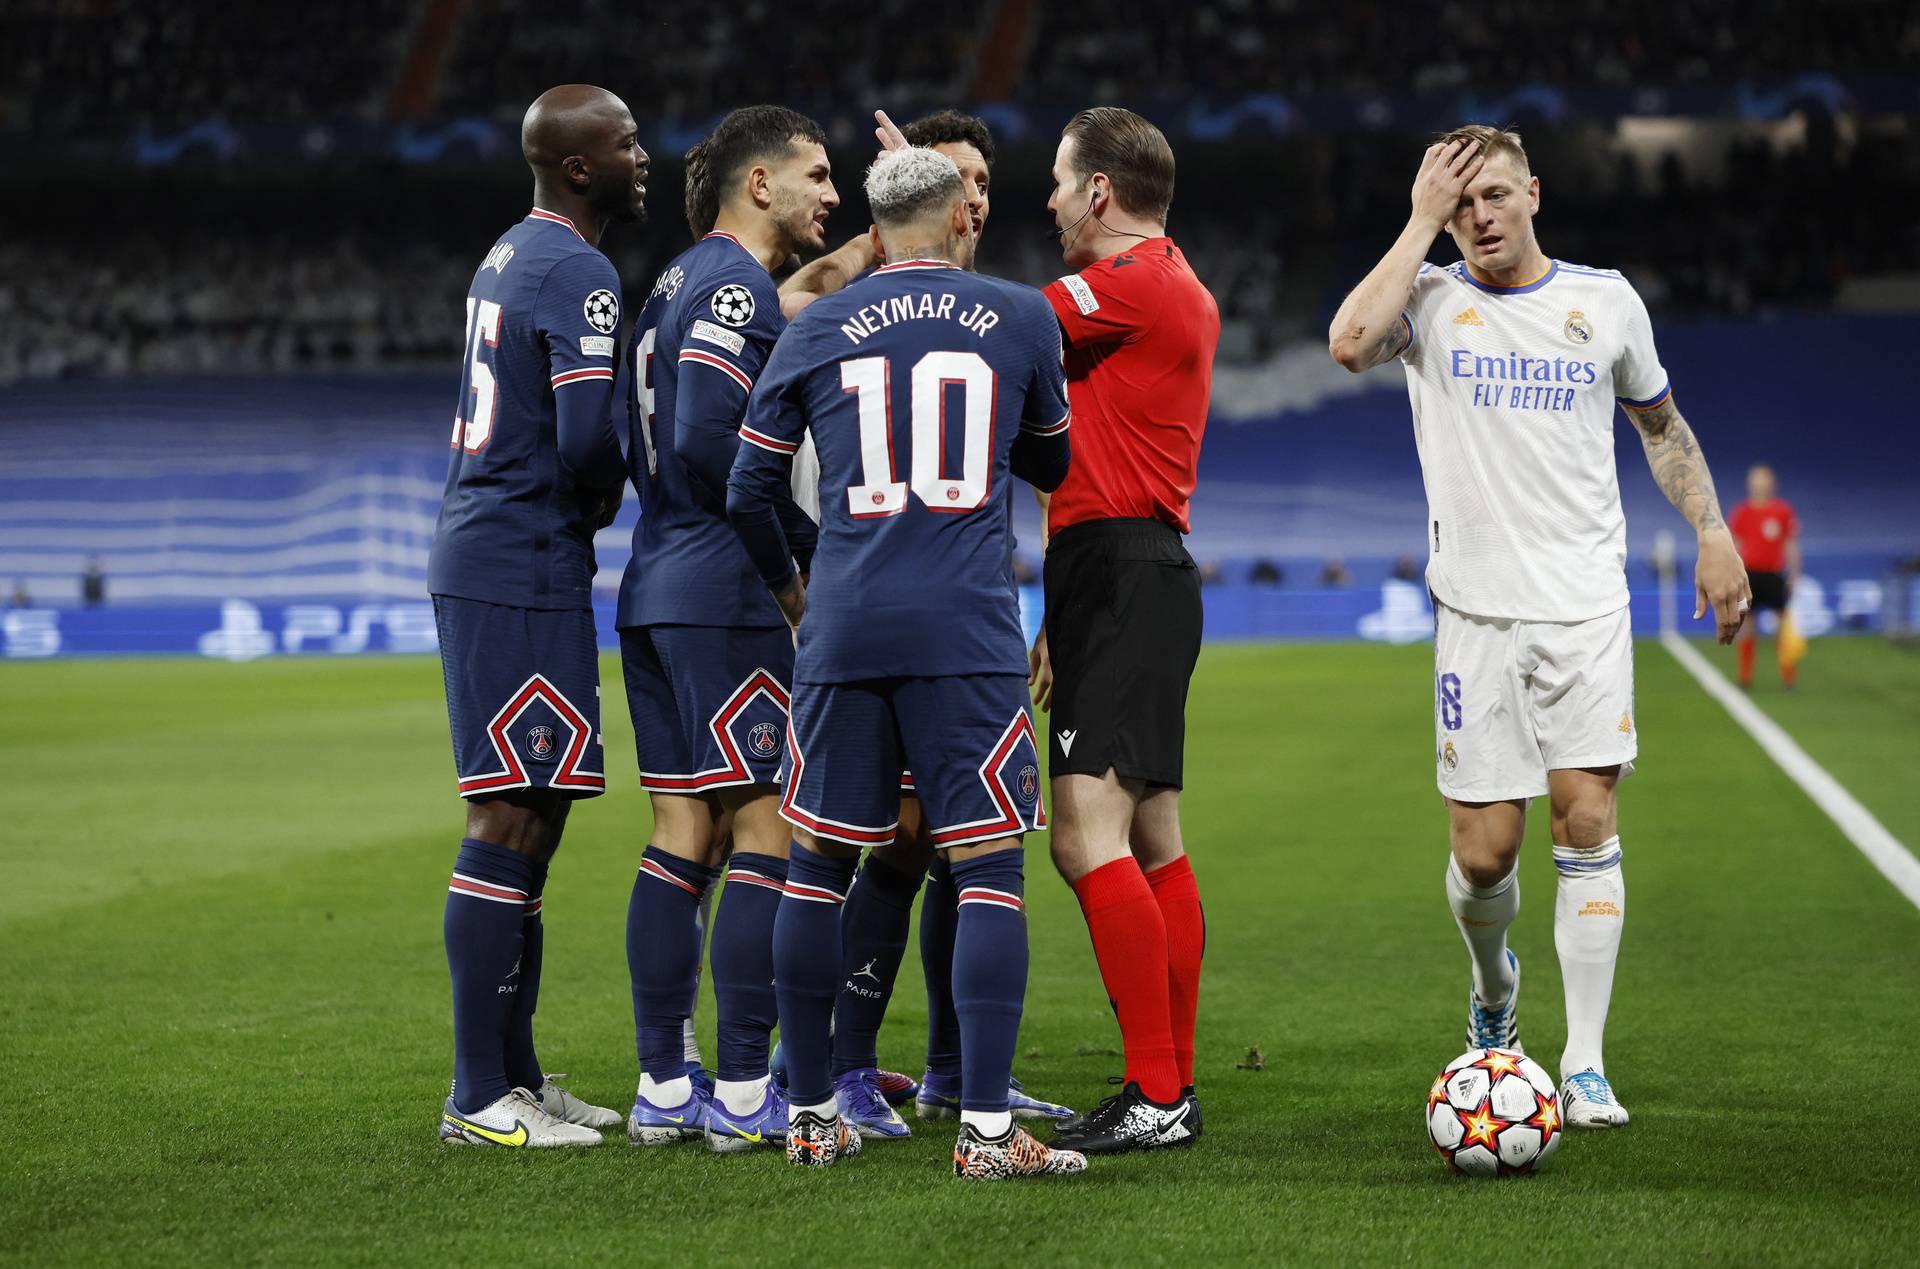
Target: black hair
[[750, 135], [947, 126]]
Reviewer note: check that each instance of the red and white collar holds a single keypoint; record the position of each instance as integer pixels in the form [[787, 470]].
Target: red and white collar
[[902, 265], [541, 213]]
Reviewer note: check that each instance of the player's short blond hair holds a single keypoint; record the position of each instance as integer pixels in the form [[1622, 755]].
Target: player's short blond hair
[[1492, 142], [904, 185]]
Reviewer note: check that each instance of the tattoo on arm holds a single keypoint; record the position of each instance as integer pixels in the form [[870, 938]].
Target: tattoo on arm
[[1679, 468]]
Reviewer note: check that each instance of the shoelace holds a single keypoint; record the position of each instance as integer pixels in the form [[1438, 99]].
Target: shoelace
[[1593, 1086], [1491, 1027], [869, 1104]]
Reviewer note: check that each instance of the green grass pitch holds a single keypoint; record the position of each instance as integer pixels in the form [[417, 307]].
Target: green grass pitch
[[224, 1025]]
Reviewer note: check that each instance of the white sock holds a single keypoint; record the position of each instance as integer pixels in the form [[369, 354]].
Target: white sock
[[689, 1044], [825, 1110], [1483, 915], [741, 1097], [670, 1094], [702, 922], [991, 1124], [1589, 908]]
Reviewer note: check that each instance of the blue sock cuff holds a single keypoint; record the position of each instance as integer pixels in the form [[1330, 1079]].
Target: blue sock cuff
[[940, 873], [483, 861], [889, 885], [673, 870], [540, 877], [754, 864], [819, 873], [998, 878]]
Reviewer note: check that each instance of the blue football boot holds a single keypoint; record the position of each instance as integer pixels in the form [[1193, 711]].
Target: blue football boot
[[651, 1125], [765, 1126], [865, 1108]]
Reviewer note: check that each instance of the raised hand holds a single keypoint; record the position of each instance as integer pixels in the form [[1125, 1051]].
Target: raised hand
[[1445, 172], [887, 133]]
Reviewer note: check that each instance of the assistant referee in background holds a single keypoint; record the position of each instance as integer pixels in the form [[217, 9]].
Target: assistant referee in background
[[1123, 609]]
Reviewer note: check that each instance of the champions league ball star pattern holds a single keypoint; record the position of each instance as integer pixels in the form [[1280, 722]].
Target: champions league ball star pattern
[[1494, 1112]]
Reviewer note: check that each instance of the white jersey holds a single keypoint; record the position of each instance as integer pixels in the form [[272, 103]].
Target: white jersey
[[1513, 392]]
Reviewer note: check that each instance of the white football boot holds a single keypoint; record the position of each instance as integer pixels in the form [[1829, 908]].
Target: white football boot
[[1587, 1101], [515, 1120], [561, 1104]]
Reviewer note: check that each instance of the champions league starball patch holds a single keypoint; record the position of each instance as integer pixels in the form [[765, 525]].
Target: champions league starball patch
[[763, 742], [541, 744], [733, 304], [603, 311]]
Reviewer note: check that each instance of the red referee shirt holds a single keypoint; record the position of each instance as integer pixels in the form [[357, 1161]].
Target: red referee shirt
[[1140, 333], [1761, 530]]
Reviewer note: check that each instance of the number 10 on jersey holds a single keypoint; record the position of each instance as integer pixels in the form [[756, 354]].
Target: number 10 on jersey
[[881, 492]]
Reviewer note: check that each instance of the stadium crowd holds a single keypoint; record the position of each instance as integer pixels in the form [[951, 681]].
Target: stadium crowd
[[383, 297], [112, 66]]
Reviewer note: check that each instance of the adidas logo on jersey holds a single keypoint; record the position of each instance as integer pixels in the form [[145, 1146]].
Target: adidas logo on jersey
[[1468, 318]]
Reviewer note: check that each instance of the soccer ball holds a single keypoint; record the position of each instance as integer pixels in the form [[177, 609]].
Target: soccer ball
[[1494, 1112]]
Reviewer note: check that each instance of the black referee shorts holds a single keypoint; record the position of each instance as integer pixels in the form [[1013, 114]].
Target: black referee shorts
[[1123, 630], [1769, 591]]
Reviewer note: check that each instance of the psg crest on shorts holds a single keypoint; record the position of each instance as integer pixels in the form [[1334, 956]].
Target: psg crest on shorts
[[763, 741], [1028, 784], [733, 304], [540, 744]]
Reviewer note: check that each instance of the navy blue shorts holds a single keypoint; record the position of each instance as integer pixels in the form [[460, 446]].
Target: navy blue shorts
[[967, 738], [523, 697], [709, 704]]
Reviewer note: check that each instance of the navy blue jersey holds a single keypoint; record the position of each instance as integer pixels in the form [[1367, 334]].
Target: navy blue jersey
[[533, 440], [919, 383], [698, 345]]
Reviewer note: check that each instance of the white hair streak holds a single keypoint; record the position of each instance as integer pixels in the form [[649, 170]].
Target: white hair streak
[[905, 181]]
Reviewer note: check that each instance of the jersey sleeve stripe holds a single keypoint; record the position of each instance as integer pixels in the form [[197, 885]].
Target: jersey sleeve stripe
[[566, 377], [1054, 429], [718, 363], [767, 442], [1659, 398]]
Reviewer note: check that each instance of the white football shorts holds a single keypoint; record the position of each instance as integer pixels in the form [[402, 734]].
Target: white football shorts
[[1514, 700]]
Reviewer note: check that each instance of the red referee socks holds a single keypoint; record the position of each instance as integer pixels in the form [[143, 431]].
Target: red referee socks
[[1179, 895], [1130, 943]]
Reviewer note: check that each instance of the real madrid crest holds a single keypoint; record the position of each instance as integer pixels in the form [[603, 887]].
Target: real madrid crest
[[1448, 757], [1577, 329]]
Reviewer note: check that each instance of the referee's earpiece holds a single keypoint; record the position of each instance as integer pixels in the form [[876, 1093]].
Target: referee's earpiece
[[1061, 233]]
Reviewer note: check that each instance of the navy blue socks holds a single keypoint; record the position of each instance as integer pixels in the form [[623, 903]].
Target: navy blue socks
[[485, 935], [663, 957], [939, 917], [806, 934], [989, 973], [873, 937], [523, 1065], [742, 955]]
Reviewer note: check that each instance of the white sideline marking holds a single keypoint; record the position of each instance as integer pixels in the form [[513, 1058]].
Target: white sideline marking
[[1882, 849]]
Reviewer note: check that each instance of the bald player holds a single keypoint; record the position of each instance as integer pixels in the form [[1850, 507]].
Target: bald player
[[536, 468]]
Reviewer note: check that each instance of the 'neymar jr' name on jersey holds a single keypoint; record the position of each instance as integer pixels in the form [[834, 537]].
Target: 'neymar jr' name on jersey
[[1518, 382], [908, 308]]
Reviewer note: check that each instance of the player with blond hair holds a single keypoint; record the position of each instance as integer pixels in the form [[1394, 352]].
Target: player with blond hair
[[1514, 361]]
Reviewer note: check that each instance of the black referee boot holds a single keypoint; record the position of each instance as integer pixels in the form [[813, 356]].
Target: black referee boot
[[1129, 1121]]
